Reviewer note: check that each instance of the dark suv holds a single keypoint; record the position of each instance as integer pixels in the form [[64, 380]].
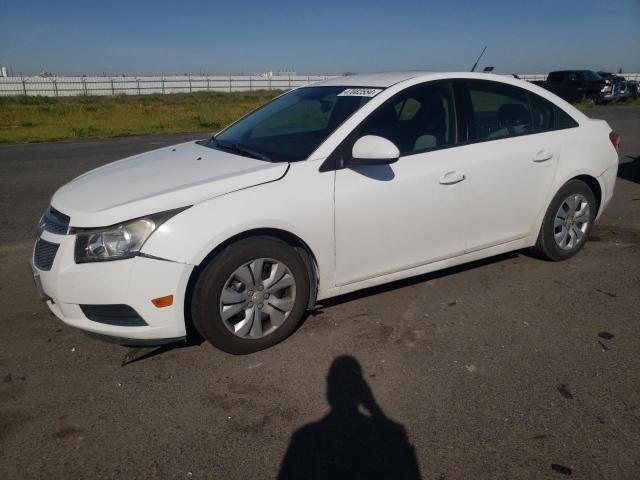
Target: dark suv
[[577, 85]]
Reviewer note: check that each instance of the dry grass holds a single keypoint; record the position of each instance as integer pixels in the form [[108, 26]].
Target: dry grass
[[37, 119], [588, 104]]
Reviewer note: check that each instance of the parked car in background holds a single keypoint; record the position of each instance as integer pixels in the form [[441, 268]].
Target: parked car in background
[[633, 87], [616, 85], [623, 91], [610, 76], [345, 184], [578, 85]]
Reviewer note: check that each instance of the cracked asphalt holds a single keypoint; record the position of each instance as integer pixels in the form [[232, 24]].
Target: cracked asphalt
[[511, 367]]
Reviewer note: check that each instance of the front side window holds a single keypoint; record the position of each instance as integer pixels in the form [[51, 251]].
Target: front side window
[[292, 126], [416, 120], [498, 110]]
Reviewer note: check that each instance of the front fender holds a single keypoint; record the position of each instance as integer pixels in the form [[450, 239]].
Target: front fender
[[301, 203]]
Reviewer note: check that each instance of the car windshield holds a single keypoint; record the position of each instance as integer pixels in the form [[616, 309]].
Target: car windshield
[[291, 127]]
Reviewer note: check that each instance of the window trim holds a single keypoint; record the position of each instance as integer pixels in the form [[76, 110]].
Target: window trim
[[463, 113]]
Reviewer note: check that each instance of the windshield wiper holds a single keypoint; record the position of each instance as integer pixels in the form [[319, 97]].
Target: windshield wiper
[[234, 147], [208, 142]]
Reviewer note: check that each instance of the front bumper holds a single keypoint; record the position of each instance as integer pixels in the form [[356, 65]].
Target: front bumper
[[133, 282]]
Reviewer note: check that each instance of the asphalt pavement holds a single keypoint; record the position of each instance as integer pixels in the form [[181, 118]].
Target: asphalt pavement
[[511, 367]]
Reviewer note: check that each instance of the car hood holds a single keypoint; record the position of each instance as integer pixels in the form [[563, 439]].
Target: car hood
[[159, 180]]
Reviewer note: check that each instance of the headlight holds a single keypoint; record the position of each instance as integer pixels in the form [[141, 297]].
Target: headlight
[[118, 241]]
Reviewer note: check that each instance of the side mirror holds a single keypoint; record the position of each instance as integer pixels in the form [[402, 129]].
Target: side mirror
[[374, 150]]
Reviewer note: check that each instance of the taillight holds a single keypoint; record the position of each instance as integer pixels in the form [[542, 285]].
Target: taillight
[[615, 140]]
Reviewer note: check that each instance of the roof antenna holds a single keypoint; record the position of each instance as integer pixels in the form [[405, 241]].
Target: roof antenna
[[476, 64]]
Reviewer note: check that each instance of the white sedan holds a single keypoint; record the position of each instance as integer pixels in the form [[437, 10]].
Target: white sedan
[[342, 185]]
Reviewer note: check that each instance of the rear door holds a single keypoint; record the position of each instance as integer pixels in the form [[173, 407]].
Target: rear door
[[515, 157]]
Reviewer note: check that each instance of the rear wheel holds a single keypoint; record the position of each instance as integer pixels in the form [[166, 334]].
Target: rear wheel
[[251, 296], [567, 223]]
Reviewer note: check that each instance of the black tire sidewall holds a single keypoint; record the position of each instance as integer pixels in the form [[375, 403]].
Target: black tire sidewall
[[548, 243], [208, 288]]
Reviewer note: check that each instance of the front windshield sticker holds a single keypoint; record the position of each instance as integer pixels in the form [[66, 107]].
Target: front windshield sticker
[[360, 92]]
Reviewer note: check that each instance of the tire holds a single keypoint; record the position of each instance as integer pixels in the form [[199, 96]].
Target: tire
[[551, 243], [266, 313]]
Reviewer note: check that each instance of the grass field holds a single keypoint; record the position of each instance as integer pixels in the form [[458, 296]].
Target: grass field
[[586, 104], [37, 119]]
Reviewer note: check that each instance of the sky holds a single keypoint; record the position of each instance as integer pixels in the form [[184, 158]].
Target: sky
[[316, 37]]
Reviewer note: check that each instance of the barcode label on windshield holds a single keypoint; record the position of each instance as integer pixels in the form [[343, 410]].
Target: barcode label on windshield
[[360, 92]]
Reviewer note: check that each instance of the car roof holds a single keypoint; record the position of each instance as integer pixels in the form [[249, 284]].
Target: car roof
[[381, 80], [571, 71], [387, 79]]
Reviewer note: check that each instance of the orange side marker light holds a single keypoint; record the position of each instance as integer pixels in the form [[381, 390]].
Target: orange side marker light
[[162, 302]]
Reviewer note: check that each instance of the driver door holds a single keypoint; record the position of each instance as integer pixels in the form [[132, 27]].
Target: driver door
[[395, 217]]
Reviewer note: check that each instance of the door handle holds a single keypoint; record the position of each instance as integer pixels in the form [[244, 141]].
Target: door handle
[[543, 156], [452, 177]]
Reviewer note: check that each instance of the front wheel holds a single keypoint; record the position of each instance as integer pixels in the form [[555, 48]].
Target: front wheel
[[567, 223], [251, 296]]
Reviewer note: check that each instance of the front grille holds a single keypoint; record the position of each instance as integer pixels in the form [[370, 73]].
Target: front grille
[[54, 221], [44, 253]]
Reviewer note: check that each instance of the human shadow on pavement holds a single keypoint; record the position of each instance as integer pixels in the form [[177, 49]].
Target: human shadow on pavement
[[355, 440]]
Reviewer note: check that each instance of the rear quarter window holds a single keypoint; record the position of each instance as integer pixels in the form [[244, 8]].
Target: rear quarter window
[[563, 120], [546, 116], [541, 113]]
